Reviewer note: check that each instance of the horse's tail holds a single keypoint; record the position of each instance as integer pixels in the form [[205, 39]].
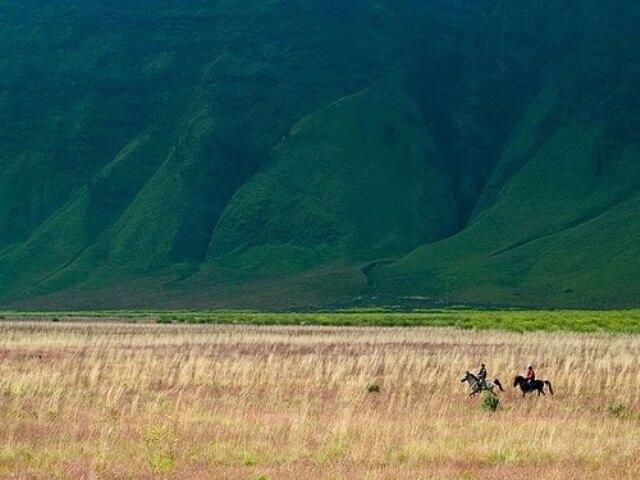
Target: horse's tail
[[548, 384], [497, 382]]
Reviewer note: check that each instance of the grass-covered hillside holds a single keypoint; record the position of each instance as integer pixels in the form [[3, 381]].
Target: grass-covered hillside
[[315, 153]]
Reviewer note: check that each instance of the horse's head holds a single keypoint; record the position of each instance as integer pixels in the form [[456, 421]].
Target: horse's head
[[468, 377], [518, 380]]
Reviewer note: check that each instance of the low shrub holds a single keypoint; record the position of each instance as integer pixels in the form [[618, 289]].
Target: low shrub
[[373, 387], [490, 402], [617, 409]]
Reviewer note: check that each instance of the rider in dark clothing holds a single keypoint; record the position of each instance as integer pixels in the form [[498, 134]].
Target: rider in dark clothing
[[482, 376]]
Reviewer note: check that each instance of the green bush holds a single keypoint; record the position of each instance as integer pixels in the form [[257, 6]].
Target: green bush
[[373, 387], [490, 402], [617, 409]]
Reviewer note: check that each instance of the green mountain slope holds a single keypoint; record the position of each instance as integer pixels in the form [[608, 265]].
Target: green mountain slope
[[309, 153], [557, 220], [356, 181], [566, 242]]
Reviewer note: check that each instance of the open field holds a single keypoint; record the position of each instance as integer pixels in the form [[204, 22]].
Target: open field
[[118, 400]]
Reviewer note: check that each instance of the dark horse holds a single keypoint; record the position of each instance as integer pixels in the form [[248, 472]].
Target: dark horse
[[527, 386]]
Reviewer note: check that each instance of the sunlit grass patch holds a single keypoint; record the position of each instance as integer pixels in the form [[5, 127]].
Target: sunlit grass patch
[[161, 447], [614, 321]]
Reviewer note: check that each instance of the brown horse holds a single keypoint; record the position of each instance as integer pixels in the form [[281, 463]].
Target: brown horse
[[531, 386]]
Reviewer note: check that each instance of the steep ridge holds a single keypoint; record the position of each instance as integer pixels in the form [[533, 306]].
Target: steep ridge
[[555, 222], [358, 180], [265, 154], [220, 84]]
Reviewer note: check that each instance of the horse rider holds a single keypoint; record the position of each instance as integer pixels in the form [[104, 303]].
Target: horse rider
[[531, 374], [482, 376]]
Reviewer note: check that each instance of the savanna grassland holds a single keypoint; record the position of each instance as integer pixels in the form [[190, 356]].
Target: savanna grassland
[[105, 399]]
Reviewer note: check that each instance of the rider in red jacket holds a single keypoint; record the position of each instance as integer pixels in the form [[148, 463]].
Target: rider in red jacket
[[531, 375]]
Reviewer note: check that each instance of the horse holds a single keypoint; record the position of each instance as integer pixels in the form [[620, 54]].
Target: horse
[[530, 386], [476, 387]]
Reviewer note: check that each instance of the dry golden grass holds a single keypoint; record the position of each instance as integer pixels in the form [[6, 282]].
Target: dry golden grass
[[108, 400]]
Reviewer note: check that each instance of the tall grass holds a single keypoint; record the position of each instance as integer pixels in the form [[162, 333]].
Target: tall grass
[[115, 400]]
